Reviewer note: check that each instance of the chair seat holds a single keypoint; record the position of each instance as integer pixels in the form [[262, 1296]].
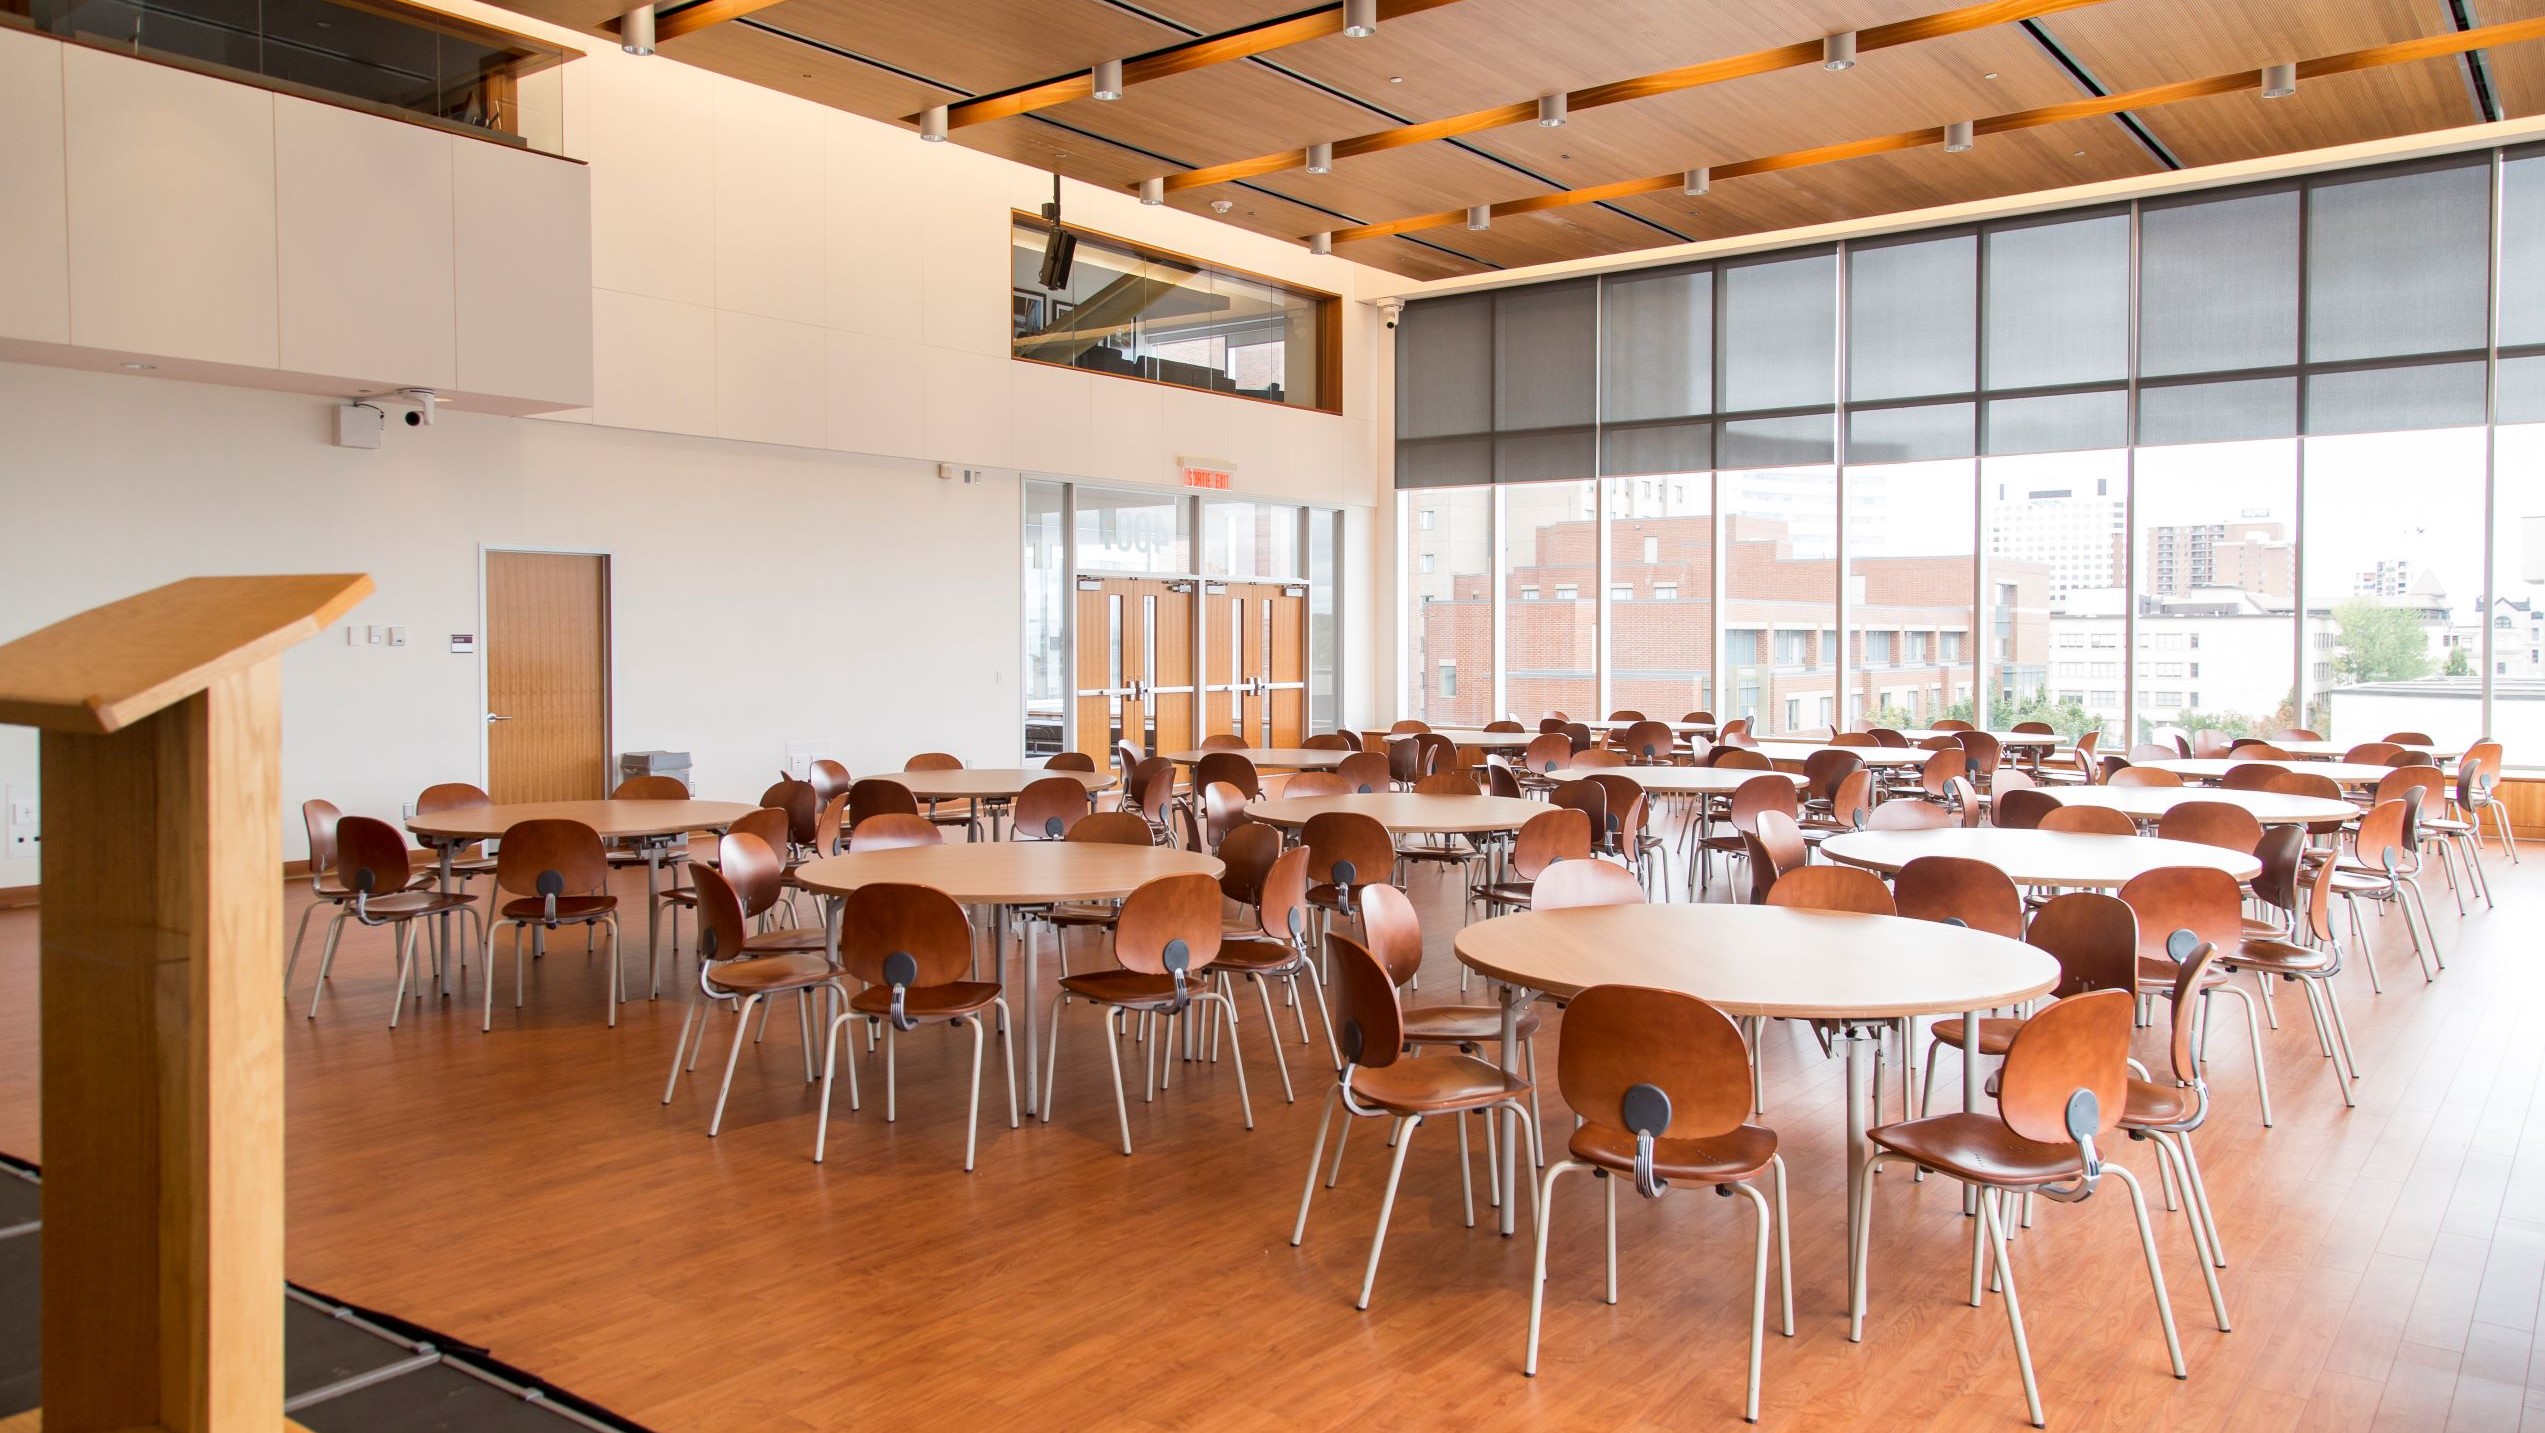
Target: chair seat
[[804, 938], [1719, 1160], [1082, 913], [622, 857], [928, 1002], [408, 904], [1325, 895], [761, 974], [2155, 1106], [1435, 1084], [1979, 1149], [1461, 1024], [1457, 855], [1256, 954], [1507, 893], [2157, 975], [325, 886], [2448, 825], [2278, 957], [1131, 989], [1996, 1033], [569, 908], [2349, 881]]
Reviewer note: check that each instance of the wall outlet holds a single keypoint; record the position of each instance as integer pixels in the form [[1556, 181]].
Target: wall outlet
[[397, 636]]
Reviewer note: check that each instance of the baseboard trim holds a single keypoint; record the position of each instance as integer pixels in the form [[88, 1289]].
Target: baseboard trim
[[21, 897]]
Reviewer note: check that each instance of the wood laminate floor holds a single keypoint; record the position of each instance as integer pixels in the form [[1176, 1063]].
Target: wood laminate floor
[[526, 1190]]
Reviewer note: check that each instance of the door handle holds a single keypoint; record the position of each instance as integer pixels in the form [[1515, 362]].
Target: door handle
[[490, 716]]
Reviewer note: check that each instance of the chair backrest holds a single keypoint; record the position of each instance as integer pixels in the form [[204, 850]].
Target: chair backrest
[[2033, 728], [1738, 758], [1394, 931], [1408, 725], [2254, 749], [1625, 716], [2296, 733], [1628, 807], [2020, 808], [1888, 736], [1955, 724], [1500, 779], [1504, 724], [1046, 809], [1152, 788], [1317, 783], [1327, 741], [650, 788], [320, 820], [802, 806], [450, 796], [2300, 783], [1697, 718], [1588, 797], [876, 796], [1599, 756], [1907, 815], [2373, 753], [1568, 884], [2143, 776], [1649, 742], [1945, 765], [2250, 776], [2410, 738], [1761, 793], [2435, 794], [1559, 835], [1852, 803], [830, 824], [2282, 851], [2212, 823], [1245, 858], [1223, 811], [1349, 849], [1281, 904], [1363, 771], [1986, 752], [753, 867], [371, 857], [1070, 761], [1961, 794], [2181, 1052], [1112, 828], [2010, 778], [1447, 783], [893, 830], [829, 778], [2209, 741], [2380, 831], [1830, 888], [2151, 751], [1825, 768], [2208, 903], [723, 929], [1775, 847], [1579, 733], [1369, 1026], [766, 822], [1126, 757], [2093, 936], [1853, 738], [1233, 767], [2088, 821], [1942, 888], [1621, 1040], [1437, 753], [933, 761], [1169, 924], [1223, 741], [2412, 758], [2077, 1044], [910, 936], [551, 857], [1405, 759], [2485, 754]]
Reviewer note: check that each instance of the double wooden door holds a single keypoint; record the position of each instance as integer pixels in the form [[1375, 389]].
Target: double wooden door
[[1142, 641], [1255, 662]]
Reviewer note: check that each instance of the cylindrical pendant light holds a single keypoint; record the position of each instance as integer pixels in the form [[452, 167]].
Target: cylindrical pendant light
[[1838, 52], [1153, 191], [1321, 158], [636, 30], [1698, 181], [2279, 81], [932, 124], [1480, 217], [1360, 18], [1320, 243], [1105, 81], [1957, 137], [1551, 111]]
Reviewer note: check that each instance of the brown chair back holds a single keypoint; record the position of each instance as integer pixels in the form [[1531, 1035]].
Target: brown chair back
[[1985, 751], [1599, 757], [1244, 859], [1363, 771], [830, 779], [2152, 751], [1501, 780], [1649, 743], [1223, 741], [2373, 753], [1112, 828], [1170, 924], [1907, 815], [1952, 724], [2250, 776], [1317, 783], [2208, 903], [2093, 936], [1887, 736], [1947, 764], [2020, 808], [320, 819], [1942, 888], [1775, 847], [649, 788], [1568, 884], [1739, 758], [1070, 761], [1548, 751], [2410, 738], [1504, 724], [802, 807], [1761, 793], [1152, 789], [2088, 821], [876, 796], [1832, 888], [1223, 811], [1852, 803], [753, 868], [2078, 1044], [1233, 767], [904, 936], [1349, 849], [1559, 835], [1394, 931], [767, 822], [1046, 809], [1281, 910], [450, 796], [1824, 769], [2212, 823], [371, 857], [1327, 741], [828, 827], [893, 830], [1369, 1026], [1447, 783], [933, 761], [551, 857], [2143, 776], [1619, 1039], [723, 930], [1408, 725], [1406, 759]]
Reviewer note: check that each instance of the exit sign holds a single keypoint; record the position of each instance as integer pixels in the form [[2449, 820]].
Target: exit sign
[[1206, 472]]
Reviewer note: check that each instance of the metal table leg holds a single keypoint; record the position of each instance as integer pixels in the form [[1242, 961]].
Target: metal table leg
[[446, 848], [653, 899], [1513, 997], [1970, 1091], [1858, 1157], [1033, 1023]]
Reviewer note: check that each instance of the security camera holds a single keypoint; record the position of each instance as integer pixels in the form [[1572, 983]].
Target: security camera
[[424, 399], [1389, 309]]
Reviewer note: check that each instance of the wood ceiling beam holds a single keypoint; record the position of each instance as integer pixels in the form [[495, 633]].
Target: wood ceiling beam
[[2375, 57], [1686, 77], [1181, 58]]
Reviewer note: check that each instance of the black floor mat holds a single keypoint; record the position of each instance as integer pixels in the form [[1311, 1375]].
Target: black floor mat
[[345, 1370]]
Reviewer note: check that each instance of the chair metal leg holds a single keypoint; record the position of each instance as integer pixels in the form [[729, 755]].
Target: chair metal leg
[[327, 959], [1236, 1059], [1325, 1016], [1996, 1230], [1609, 1185], [301, 934], [2341, 1036], [1784, 1244], [2253, 1032], [972, 1106], [1317, 1159], [406, 964], [1272, 1037], [1758, 1293], [1387, 1204], [2155, 1268], [1537, 1283], [1860, 1258], [689, 1016], [1466, 1172], [1051, 1052], [830, 1071], [741, 1028], [892, 1080], [1121, 1109], [2200, 1195], [2166, 1157]]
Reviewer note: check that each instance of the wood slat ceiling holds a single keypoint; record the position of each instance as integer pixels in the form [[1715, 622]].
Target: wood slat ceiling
[[888, 59]]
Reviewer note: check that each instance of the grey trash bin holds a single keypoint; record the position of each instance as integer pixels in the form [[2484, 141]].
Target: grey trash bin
[[674, 764]]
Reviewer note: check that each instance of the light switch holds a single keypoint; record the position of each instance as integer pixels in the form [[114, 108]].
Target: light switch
[[371, 635], [397, 636]]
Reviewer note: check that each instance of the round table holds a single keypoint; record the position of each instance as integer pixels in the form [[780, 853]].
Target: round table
[[1271, 758], [1856, 970], [992, 786], [1799, 752], [1471, 736], [650, 824], [1677, 728], [2211, 768], [1405, 812], [2149, 803], [1005, 875], [2004, 738], [2336, 750], [1677, 780], [2065, 859]]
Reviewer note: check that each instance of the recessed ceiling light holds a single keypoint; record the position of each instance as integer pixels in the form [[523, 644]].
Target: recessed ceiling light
[[1221, 206], [141, 367]]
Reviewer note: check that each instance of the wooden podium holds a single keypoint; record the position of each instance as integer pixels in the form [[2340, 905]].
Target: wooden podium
[[162, 1019]]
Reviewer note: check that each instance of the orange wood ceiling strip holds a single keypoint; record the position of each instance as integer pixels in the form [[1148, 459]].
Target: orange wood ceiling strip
[[1686, 77], [1177, 59], [2374, 57]]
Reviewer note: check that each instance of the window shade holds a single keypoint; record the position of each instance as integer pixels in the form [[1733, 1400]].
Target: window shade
[[1780, 333], [2397, 263], [1659, 347], [1444, 367], [1546, 358], [2058, 299], [2218, 284], [1913, 318]]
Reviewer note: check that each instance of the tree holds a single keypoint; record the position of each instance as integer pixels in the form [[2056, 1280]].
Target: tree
[[2380, 644], [2459, 664]]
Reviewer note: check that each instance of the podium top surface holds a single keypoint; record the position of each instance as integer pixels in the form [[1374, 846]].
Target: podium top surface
[[111, 666]]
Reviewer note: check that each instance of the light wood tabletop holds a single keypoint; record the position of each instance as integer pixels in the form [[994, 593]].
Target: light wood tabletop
[[1472, 736], [615, 820], [2336, 750], [2066, 859], [1403, 811], [1678, 780], [1761, 960], [2147, 803], [2210, 768], [998, 873], [2004, 738], [1271, 758], [1798, 752], [1681, 728], [987, 782]]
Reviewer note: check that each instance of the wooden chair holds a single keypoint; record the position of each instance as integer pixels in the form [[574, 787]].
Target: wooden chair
[[966, 814], [1070, 761], [1887, 736], [1850, 805], [1408, 726], [1626, 832], [2410, 738], [1394, 933], [2095, 939], [2486, 757], [1223, 741], [2142, 776], [1348, 851], [1832, 888], [1908, 816], [2373, 753], [558, 875], [1765, 792], [1362, 771], [732, 970], [2307, 951], [1568, 884], [1599, 758], [1272, 942], [2457, 827], [1824, 771], [2088, 820], [1377, 1081], [1327, 741], [1315, 783], [1649, 743], [1223, 811], [2021, 810], [1775, 848], [2429, 796], [2152, 751], [829, 779], [803, 807], [2377, 865], [672, 853], [1986, 755], [1046, 809], [1656, 1078], [912, 946], [320, 820], [1150, 795], [2211, 823], [2164, 1113], [1234, 767], [876, 796], [471, 861], [2210, 904], [1502, 778], [372, 866], [2296, 733], [1166, 934], [2250, 776], [2075, 766], [2063, 1088], [1559, 835]]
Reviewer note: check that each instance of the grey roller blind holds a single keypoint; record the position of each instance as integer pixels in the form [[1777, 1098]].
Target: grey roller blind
[[2058, 298], [2393, 400], [1807, 441], [2056, 423], [1544, 457], [1658, 346], [1912, 318], [2522, 383], [2523, 249], [1444, 367], [2218, 284], [2397, 264], [1546, 356], [1444, 463], [1911, 435], [2218, 412], [1657, 448], [1780, 333]]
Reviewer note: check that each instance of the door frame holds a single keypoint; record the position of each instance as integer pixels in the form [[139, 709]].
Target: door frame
[[609, 653]]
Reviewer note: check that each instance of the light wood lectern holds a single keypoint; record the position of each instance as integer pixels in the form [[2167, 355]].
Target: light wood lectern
[[162, 948]]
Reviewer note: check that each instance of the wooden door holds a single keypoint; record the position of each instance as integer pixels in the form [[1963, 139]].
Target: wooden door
[[1267, 628], [547, 676], [1135, 664]]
